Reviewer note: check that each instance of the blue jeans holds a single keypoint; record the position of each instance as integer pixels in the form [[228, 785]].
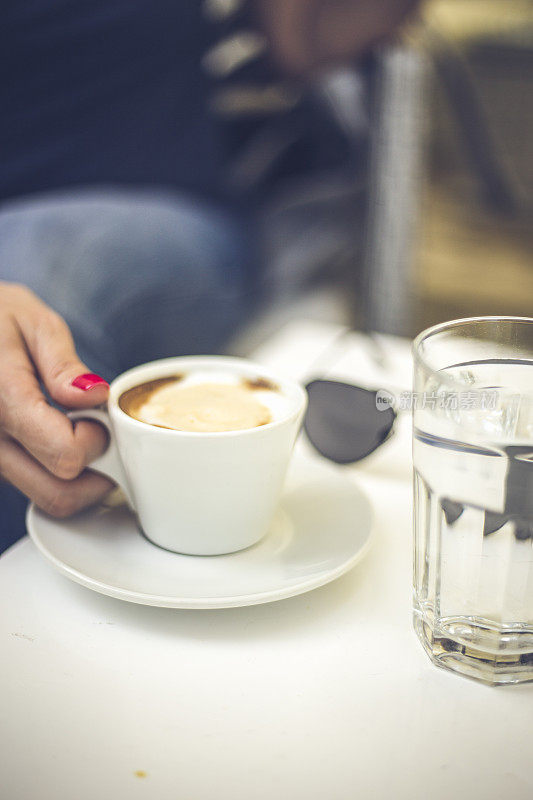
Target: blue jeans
[[137, 276]]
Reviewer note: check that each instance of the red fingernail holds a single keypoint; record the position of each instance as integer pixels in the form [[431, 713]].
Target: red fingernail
[[88, 381]]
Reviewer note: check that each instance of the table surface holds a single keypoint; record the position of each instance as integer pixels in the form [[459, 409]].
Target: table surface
[[325, 696]]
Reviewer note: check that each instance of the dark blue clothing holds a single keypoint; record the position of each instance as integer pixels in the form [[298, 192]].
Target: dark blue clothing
[[105, 92]]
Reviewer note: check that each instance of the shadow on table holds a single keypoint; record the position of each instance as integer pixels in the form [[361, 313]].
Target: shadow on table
[[284, 618]]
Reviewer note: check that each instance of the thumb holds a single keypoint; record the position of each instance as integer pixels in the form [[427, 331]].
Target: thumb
[[67, 379]]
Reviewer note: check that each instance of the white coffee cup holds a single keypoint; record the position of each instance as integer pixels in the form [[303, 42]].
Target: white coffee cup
[[200, 493]]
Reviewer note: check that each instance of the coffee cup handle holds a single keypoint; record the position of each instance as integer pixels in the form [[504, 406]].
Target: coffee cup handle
[[109, 463]]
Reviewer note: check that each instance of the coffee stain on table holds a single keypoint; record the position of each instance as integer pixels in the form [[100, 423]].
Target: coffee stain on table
[[24, 636]]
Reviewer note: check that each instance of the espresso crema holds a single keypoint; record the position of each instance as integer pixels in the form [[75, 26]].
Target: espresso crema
[[205, 401]]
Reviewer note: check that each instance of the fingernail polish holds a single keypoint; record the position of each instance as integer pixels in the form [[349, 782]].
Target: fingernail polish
[[88, 381]]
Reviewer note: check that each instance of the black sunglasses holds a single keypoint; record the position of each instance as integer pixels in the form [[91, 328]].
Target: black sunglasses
[[346, 423]]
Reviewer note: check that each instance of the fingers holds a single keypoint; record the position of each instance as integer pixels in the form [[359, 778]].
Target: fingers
[[43, 431], [57, 497], [51, 347], [41, 451], [62, 448]]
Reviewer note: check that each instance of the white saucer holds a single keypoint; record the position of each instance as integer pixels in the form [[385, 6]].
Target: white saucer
[[321, 530]]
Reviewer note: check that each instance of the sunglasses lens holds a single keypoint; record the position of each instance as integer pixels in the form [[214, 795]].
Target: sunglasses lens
[[342, 421]]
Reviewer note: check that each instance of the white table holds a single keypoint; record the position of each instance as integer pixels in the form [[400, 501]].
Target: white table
[[326, 696]]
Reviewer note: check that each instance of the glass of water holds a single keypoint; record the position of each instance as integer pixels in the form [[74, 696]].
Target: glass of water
[[473, 497]]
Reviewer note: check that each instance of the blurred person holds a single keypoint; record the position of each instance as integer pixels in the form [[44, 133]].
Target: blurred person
[[117, 243]]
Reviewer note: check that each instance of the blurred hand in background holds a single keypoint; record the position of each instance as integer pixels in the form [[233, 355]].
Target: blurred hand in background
[[305, 35]]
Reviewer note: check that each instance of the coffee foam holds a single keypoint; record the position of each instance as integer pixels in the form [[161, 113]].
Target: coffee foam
[[208, 400], [277, 403]]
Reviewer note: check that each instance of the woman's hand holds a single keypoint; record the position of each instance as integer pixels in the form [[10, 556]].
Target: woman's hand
[[41, 451]]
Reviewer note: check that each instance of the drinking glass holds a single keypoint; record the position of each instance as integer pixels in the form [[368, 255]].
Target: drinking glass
[[473, 497]]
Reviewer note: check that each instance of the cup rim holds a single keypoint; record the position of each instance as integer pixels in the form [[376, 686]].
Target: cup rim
[[453, 323], [166, 363]]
